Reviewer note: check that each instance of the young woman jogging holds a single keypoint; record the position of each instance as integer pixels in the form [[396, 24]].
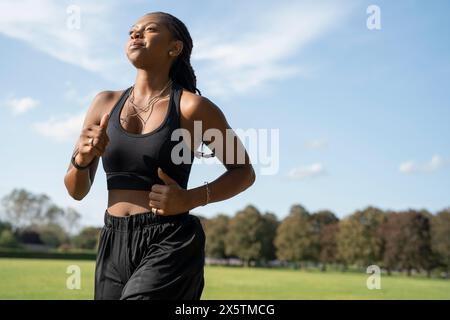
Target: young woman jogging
[[150, 246]]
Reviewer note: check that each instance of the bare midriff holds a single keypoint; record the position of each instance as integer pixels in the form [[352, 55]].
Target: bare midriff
[[124, 203]]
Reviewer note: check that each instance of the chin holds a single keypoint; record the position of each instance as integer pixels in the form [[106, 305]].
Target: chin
[[138, 62]]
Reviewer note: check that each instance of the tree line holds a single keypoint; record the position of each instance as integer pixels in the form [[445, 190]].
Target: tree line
[[407, 241], [30, 220], [394, 240]]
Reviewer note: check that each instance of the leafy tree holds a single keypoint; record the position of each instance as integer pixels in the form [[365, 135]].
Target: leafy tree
[[441, 237], [22, 209], [52, 234], [269, 225], [322, 218], [408, 241], [8, 239], [328, 246], [319, 220], [18, 207], [87, 238], [71, 220], [28, 235], [216, 230], [5, 226], [359, 240], [394, 240], [245, 235], [298, 209], [418, 249], [349, 241], [294, 236]]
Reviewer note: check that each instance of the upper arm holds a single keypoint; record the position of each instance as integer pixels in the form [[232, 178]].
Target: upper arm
[[98, 107], [216, 132]]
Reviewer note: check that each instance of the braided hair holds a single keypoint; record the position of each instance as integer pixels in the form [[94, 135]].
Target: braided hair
[[181, 70]]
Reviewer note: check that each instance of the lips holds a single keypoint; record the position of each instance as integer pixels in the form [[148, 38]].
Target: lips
[[137, 45]]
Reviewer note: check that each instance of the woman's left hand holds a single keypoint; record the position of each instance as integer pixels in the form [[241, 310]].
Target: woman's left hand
[[169, 199]]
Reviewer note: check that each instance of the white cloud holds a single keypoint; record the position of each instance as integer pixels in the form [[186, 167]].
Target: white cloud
[[21, 105], [43, 24], [235, 53], [436, 163], [313, 170], [316, 144], [255, 51], [68, 127], [61, 129], [407, 167]]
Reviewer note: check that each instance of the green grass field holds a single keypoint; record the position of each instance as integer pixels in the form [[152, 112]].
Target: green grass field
[[46, 279]]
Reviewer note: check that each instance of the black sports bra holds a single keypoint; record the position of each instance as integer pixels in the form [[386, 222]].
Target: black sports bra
[[131, 160]]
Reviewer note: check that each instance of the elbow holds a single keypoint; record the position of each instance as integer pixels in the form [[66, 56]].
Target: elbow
[[71, 192], [76, 197]]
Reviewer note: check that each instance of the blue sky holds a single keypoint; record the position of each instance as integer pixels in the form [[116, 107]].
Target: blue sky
[[362, 114]]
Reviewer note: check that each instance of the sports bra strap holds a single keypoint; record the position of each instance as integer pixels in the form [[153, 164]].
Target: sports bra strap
[[119, 102]]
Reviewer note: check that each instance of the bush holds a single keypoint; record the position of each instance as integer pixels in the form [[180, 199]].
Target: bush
[[52, 235], [28, 236], [24, 254], [87, 238], [65, 247], [8, 240], [5, 226]]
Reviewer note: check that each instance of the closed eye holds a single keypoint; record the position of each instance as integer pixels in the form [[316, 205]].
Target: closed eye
[[146, 29]]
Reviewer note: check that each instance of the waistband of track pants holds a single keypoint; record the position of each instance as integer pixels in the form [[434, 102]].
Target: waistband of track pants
[[139, 220]]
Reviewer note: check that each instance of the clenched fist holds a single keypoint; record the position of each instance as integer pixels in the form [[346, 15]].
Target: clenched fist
[[170, 198], [93, 141]]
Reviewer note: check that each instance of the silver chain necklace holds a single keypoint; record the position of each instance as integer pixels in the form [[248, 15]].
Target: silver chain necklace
[[150, 103]]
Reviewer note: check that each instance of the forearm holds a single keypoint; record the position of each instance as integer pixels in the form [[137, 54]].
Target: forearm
[[229, 184], [78, 182]]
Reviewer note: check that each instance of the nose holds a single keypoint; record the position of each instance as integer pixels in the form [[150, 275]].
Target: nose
[[135, 34]]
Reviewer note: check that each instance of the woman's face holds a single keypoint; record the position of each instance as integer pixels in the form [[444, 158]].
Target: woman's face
[[149, 43]]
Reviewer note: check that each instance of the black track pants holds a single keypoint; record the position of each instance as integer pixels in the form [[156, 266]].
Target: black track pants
[[148, 256]]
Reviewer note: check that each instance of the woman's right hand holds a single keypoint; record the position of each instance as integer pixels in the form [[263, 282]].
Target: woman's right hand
[[87, 152]]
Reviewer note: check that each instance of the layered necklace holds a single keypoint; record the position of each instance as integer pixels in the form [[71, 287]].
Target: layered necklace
[[150, 103]]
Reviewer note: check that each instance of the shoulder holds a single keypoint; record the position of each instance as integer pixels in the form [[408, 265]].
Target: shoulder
[[194, 106], [103, 102], [107, 96]]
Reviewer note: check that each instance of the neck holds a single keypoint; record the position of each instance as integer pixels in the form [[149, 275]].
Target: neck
[[150, 83]]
